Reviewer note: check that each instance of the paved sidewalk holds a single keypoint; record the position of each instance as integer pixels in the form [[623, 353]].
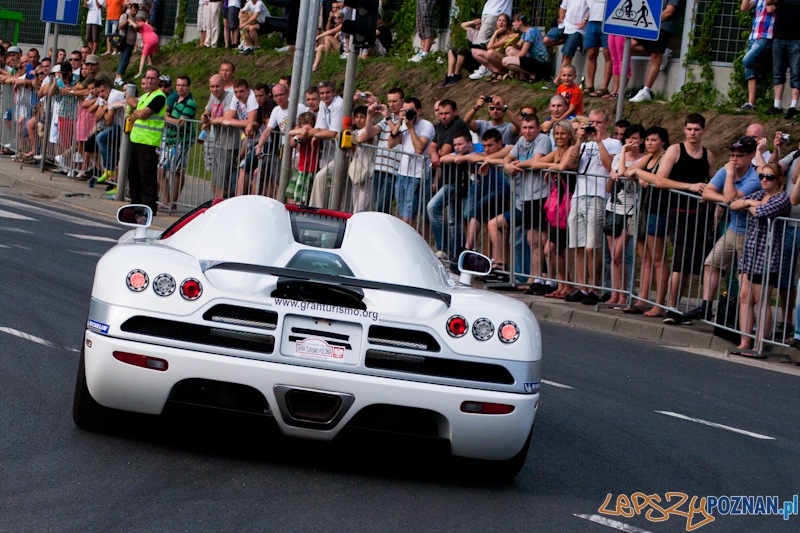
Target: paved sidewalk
[[26, 181]]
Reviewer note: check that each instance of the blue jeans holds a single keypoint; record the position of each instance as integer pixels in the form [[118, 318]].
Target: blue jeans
[[786, 53], [445, 198], [406, 190], [124, 58], [382, 191], [109, 136], [572, 41], [758, 51]]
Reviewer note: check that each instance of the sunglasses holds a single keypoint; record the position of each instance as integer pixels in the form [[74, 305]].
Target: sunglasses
[[522, 114], [768, 177], [494, 107], [74, 58]]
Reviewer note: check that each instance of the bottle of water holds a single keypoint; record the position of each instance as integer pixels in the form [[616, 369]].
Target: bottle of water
[[202, 137]]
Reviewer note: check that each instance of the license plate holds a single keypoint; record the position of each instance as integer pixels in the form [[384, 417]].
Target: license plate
[[320, 339]]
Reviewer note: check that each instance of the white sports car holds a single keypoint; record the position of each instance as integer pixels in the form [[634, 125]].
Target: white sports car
[[318, 319]]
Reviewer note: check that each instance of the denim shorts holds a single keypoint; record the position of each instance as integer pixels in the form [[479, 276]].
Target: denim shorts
[[786, 53], [595, 38], [406, 190], [111, 27], [573, 42], [657, 225], [754, 61]]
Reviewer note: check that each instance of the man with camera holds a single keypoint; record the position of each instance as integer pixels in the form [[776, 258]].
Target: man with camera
[[413, 133], [587, 212], [498, 111]]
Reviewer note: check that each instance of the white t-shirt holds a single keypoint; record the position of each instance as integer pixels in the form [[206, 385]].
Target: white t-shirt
[[593, 175], [259, 8], [414, 166], [278, 120], [576, 12], [234, 3], [242, 110], [622, 199], [597, 10], [496, 7], [95, 15], [330, 117]]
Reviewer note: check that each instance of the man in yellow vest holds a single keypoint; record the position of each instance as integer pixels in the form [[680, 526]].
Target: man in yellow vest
[[148, 125]]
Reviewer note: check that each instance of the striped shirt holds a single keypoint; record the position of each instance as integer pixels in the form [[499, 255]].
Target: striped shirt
[[763, 22], [387, 161], [182, 109]]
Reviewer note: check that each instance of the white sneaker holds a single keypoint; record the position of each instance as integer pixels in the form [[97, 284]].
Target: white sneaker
[[644, 95], [419, 56], [59, 160], [440, 61], [480, 73], [344, 56], [665, 59], [78, 158], [283, 48]]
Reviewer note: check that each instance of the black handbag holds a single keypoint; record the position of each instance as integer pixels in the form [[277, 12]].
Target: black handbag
[[727, 307], [614, 224]]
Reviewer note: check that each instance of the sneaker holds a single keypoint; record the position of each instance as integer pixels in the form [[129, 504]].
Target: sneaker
[[444, 82], [440, 60], [773, 111], [537, 289], [790, 113], [419, 56], [644, 95], [38, 157], [106, 175], [747, 106], [591, 299], [482, 72], [59, 159], [343, 56], [702, 312], [118, 82], [575, 297], [665, 59], [548, 86], [455, 78], [441, 254], [606, 296], [794, 343], [112, 192], [676, 319], [283, 48]]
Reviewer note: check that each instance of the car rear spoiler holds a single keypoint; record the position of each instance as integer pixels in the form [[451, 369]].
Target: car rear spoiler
[[327, 279]]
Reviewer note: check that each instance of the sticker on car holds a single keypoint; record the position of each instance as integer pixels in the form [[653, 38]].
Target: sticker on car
[[99, 327], [318, 348]]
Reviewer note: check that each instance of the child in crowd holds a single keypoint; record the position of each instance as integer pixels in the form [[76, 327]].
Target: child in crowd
[[307, 160], [571, 92]]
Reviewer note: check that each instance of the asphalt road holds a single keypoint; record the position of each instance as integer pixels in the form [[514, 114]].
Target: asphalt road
[[604, 434]]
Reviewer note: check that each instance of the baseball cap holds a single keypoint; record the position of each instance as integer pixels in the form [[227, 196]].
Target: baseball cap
[[744, 144], [92, 59], [165, 79], [12, 49]]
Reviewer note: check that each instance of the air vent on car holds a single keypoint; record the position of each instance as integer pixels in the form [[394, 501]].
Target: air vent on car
[[182, 331], [242, 316], [403, 338], [437, 366]]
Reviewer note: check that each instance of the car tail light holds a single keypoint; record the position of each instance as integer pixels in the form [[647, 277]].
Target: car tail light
[[164, 285], [137, 280], [508, 332], [483, 329], [485, 408], [191, 289], [457, 326], [153, 363]]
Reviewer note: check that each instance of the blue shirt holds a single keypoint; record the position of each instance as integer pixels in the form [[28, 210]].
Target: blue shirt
[[748, 184]]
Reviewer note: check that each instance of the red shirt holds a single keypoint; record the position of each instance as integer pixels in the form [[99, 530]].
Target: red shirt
[[574, 96]]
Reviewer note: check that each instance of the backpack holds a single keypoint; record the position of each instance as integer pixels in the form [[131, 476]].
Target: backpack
[[558, 210]]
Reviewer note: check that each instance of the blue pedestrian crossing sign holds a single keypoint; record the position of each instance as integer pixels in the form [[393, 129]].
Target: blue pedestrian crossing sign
[[61, 11], [639, 19]]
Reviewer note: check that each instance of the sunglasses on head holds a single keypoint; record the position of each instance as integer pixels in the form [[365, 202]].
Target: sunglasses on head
[[768, 177], [523, 114]]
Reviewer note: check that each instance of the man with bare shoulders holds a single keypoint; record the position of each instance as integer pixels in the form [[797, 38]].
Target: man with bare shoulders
[[686, 167]]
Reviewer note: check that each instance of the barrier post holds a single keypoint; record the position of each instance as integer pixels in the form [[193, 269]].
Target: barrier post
[[48, 107], [124, 151]]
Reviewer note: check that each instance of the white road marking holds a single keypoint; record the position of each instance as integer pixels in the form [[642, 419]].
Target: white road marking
[[20, 246], [4, 246], [715, 425], [15, 230], [15, 216], [622, 526], [92, 238], [90, 254], [55, 214], [28, 337], [559, 385]]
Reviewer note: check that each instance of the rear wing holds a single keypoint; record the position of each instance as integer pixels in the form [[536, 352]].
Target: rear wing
[[326, 279]]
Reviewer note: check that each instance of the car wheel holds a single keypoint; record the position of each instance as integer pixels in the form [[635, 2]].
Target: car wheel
[[500, 471], [86, 412]]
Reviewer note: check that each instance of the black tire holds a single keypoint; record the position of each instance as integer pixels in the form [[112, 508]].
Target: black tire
[[500, 471], [86, 412]]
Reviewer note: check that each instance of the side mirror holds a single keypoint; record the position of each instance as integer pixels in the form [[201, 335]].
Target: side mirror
[[136, 216], [472, 264]]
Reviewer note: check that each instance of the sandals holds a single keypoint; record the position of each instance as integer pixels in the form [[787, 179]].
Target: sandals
[[611, 96], [588, 90], [599, 93], [495, 77]]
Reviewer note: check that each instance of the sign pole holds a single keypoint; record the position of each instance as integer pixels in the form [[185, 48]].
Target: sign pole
[[311, 44], [48, 108], [623, 78]]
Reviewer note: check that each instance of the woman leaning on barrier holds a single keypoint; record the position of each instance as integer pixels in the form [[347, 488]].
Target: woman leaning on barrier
[[621, 207], [764, 205], [652, 230]]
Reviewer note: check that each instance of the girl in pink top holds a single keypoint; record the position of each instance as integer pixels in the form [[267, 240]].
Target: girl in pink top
[[149, 45]]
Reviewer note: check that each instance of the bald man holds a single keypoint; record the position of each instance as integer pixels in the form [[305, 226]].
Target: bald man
[[757, 131]]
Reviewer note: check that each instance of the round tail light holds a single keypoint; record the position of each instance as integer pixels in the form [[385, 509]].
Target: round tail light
[[457, 326], [483, 329], [137, 280], [508, 332], [191, 289]]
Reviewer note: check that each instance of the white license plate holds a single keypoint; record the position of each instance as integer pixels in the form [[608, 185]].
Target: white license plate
[[320, 339]]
